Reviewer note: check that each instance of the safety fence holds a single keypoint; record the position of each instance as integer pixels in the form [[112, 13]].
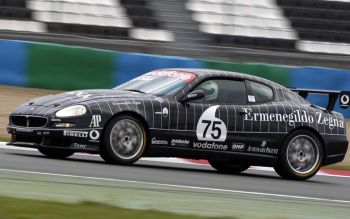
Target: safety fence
[[60, 67]]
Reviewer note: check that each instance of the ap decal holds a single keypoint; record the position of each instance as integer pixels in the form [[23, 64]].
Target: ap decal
[[211, 128]]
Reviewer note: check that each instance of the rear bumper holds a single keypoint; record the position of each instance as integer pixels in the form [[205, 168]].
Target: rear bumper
[[336, 147], [331, 159], [81, 140]]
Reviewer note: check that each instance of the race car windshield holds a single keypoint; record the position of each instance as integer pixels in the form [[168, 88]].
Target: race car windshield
[[159, 82]]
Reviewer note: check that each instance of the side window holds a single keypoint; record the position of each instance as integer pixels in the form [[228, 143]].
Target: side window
[[286, 95], [222, 91], [259, 93]]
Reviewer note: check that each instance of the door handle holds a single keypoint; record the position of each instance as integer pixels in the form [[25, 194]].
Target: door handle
[[242, 113]]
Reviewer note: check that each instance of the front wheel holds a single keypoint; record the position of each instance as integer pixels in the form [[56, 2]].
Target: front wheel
[[224, 166], [55, 153], [301, 156], [125, 140]]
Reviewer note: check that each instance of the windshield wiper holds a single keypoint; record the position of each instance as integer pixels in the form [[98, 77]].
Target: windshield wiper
[[135, 90]]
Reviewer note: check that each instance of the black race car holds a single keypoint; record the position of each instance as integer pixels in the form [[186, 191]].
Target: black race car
[[233, 120]]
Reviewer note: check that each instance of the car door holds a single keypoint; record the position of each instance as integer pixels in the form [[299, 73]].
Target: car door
[[263, 119], [210, 123]]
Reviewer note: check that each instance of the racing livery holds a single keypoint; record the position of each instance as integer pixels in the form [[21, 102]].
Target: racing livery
[[233, 120]]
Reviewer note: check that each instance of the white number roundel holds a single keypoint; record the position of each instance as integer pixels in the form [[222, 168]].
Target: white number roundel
[[211, 128]]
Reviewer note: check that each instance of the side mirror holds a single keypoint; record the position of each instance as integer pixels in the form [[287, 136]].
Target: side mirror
[[195, 95]]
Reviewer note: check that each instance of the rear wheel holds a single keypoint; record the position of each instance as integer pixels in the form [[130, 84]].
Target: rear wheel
[[224, 166], [125, 140], [55, 153], [301, 156]]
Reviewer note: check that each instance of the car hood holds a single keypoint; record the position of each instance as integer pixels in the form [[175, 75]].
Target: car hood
[[80, 96]]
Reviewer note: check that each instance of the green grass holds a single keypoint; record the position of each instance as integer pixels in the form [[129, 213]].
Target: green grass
[[36, 195], [16, 208]]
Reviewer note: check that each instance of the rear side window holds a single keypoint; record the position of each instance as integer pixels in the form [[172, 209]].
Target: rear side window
[[221, 91], [259, 93]]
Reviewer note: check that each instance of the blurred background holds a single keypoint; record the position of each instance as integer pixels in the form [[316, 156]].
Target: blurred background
[[48, 46], [80, 44], [86, 44]]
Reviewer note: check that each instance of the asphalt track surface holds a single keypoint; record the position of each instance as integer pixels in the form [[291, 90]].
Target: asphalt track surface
[[265, 183]]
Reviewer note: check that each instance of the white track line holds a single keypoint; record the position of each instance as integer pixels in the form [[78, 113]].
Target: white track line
[[167, 160], [187, 187], [154, 159], [8, 147]]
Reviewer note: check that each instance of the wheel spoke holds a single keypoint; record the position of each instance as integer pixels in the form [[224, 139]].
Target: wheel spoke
[[126, 139], [302, 154]]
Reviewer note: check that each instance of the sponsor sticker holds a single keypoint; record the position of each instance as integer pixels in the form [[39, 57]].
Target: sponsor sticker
[[237, 147], [79, 146], [94, 135], [127, 103], [180, 75], [251, 98], [76, 134], [177, 142], [297, 116], [160, 142], [264, 150], [95, 121], [210, 146], [345, 100]]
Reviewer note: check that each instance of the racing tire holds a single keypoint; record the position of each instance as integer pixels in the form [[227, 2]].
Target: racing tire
[[124, 141], [55, 153], [300, 157], [224, 166]]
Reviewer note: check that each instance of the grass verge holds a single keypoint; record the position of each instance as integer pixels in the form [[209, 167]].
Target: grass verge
[[17, 208], [37, 195]]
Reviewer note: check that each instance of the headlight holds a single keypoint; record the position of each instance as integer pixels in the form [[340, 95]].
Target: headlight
[[77, 110]]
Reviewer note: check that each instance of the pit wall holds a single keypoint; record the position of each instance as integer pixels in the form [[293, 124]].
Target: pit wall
[[52, 66]]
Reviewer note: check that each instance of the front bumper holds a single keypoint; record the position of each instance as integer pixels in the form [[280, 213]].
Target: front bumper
[[79, 140]]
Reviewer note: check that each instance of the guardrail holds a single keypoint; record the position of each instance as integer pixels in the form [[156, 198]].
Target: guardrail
[[54, 66]]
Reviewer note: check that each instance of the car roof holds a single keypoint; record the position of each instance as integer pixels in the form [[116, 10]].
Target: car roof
[[220, 73]]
